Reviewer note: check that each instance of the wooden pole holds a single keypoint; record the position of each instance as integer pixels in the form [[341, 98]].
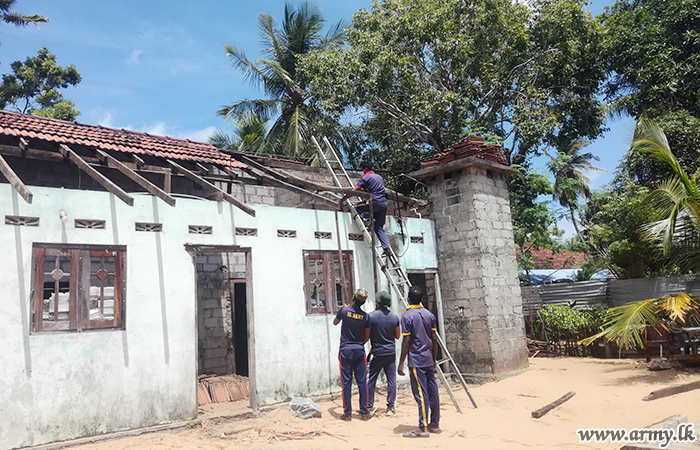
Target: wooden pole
[[340, 261], [545, 409]]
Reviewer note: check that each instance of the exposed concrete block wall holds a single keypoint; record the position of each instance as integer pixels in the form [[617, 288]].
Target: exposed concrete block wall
[[479, 276], [215, 327]]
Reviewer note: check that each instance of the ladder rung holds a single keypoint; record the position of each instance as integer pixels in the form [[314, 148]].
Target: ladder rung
[[443, 361]]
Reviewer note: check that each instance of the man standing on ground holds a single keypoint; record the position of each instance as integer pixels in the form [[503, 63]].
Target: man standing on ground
[[384, 329], [420, 344], [353, 335], [374, 184]]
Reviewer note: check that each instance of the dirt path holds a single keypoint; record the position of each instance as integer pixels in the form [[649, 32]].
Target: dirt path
[[608, 395]]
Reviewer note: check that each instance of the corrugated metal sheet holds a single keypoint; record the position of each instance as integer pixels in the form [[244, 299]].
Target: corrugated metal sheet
[[607, 293]]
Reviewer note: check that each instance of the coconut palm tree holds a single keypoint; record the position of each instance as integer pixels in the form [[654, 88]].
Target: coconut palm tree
[[569, 180], [288, 98]]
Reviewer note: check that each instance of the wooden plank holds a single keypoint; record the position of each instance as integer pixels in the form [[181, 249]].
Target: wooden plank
[[23, 144], [14, 180], [138, 161], [219, 194], [138, 179], [545, 409], [95, 175], [666, 392], [39, 288], [168, 181]]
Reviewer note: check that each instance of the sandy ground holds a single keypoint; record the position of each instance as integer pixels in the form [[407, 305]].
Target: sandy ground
[[608, 395]]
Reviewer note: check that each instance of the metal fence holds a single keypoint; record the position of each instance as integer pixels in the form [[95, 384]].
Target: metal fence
[[606, 293]]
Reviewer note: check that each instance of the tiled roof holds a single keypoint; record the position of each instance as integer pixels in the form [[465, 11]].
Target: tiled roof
[[95, 136], [469, 146], [545, 258]]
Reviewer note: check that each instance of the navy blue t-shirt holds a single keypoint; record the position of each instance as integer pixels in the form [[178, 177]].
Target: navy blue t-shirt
[[383, 325], [374, 184], [352, 331], [418, 324]]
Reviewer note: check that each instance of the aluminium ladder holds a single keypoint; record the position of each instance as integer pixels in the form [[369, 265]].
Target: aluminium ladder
[[396, 276]]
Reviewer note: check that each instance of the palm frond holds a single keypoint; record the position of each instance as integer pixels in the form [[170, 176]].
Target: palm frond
[[625, 324], [240, 62], [275, 72], [677, 306], [264, 108], [649, 137], [335, 37], [21, 20], [221, 139]]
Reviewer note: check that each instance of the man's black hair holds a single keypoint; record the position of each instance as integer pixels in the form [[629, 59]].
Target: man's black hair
[[415, 294], [366, 165]]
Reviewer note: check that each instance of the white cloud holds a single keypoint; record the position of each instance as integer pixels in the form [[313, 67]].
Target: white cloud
[[197, 135], [133, 59], [158, 129]]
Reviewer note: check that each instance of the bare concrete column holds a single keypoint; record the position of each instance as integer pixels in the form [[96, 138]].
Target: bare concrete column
[[484, 324]]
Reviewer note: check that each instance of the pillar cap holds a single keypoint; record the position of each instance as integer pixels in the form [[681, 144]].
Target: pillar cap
[[463, 163]]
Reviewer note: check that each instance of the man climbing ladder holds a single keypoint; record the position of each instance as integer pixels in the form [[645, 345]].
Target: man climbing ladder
[[374, 185]]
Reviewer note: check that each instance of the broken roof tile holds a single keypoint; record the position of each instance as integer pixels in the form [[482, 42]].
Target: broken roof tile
[[127, 141]]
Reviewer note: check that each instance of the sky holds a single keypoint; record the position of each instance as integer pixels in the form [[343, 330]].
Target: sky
[[159, 66]]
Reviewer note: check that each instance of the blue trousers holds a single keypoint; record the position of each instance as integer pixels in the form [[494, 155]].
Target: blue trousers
[[380, 210], [353, 362], [388, 364], [425, 391]]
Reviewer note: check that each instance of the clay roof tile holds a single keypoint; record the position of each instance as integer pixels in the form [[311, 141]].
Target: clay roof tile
[[127, 141]]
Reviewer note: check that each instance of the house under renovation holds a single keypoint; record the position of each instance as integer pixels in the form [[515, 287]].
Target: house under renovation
[[135, 263]]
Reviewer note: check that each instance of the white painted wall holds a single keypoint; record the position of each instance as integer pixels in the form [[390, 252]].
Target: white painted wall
[[62, 385]]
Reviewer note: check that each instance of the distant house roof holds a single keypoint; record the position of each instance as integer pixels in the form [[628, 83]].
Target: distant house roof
[[545, 258], [95, 136], [540, 276]]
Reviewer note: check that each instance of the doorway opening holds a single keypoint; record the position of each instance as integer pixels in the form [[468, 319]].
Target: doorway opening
[[224, 315]]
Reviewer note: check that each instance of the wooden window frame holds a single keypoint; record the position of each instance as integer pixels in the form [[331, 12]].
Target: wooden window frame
[[80, 275], [329, 261]]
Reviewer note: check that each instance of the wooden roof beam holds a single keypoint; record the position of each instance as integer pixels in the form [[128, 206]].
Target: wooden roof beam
[[218, 193], [291, 187], [95, 175], [138, 179], [14, 180], [23, 144]]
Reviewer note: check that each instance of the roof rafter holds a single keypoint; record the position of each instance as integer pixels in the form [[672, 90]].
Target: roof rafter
[[138, 179], [105, 182], [15, 181], [218, 193]]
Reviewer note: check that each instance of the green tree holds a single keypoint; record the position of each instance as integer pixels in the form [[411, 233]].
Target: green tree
[[569, 180], [422, 71], [34, 87], [20, 20], [652, 49], [249, 136], [533, 223], [288, 97]]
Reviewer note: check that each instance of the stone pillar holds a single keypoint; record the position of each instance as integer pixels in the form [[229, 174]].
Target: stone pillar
[[484, 323]]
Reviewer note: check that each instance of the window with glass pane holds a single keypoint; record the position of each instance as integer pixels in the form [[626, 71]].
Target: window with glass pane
[[324, 282], [78, 287]]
